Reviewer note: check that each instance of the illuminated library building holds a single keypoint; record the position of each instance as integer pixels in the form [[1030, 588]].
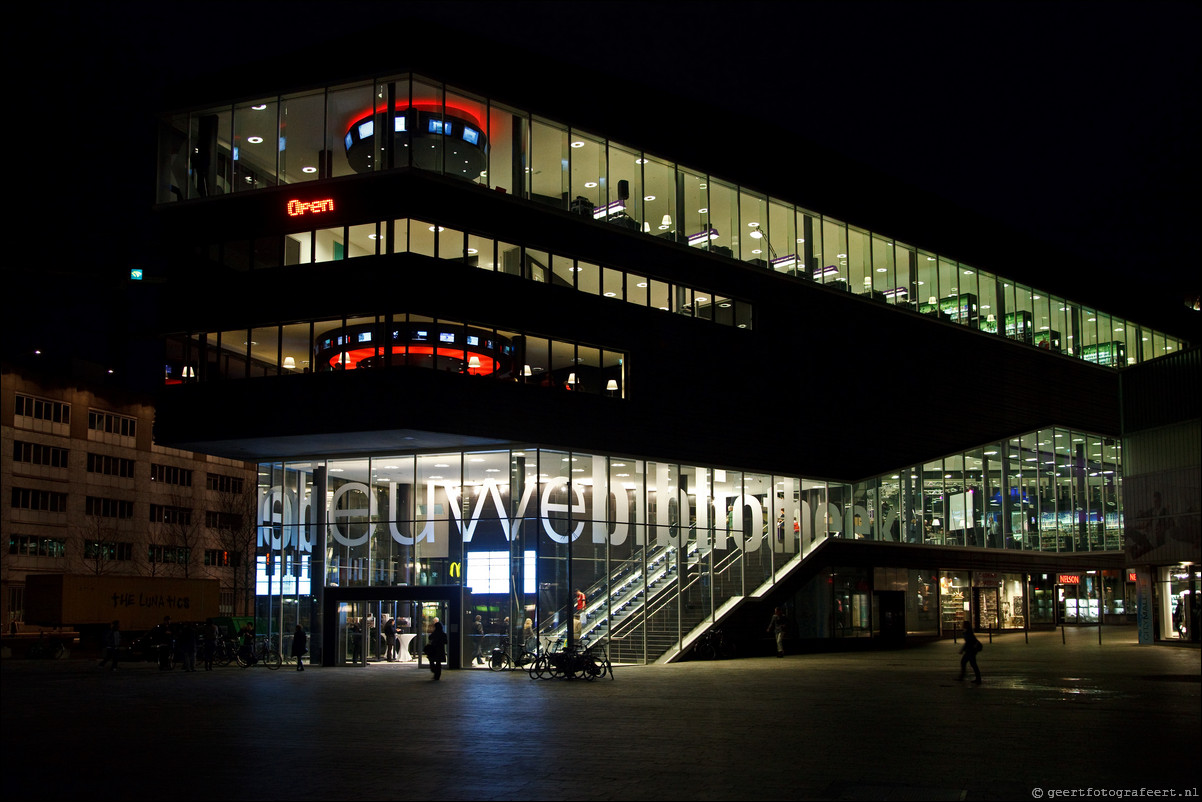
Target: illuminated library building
[[494, 368]]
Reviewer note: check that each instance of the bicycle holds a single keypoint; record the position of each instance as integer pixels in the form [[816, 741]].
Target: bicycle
[[225, 651], [260, 652], [714, 644], [46, 648], [501, 660], [580, 664]]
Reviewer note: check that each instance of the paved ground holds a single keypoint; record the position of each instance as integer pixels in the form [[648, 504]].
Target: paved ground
[[873, 725]]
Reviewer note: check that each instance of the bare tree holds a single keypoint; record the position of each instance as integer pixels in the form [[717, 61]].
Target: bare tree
[[179, 535], [99, 550], [236, 535]]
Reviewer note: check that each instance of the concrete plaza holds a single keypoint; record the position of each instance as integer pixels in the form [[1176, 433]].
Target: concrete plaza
[[1050, 716]]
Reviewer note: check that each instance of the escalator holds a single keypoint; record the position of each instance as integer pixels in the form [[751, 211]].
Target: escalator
[[641, 612]]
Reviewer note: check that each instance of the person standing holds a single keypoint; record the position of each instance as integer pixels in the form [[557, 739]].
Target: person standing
[[300, 645], [112, 643], [187, 646], [478, 641], [776, 626], [389, 631], [357, 642], [209, 641], [969, 651], [436, 649], [165, 639]]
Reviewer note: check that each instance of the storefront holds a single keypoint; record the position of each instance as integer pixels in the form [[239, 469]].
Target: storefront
[[1178, 602]]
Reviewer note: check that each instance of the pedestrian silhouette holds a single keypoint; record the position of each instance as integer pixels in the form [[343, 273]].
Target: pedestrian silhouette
[[969, 651]]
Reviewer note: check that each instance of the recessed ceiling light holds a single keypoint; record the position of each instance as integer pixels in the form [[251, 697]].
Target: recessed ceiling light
[[440, 228], [648, 198], [590, 184], [259, 107], [640, 161], [800, 240], [577, 144], [757, 250], [610, 294], [472, 251], [641, 284], [882, 270], [841, 255], [254, 140], [308, 169], [703, 210]]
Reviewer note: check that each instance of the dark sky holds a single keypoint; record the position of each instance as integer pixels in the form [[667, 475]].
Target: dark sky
[[1076, 123]]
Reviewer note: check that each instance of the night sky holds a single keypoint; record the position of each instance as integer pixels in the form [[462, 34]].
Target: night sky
[[1077, 124]]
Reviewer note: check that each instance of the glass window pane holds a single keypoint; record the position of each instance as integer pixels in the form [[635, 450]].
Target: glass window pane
[[588, 277], [330, 245], [859, 258], [665, 215], [302, 137], [724, 218], [211, 132], [884, 279], [536, 351], [264, 351], [465, 141], [612, 284], [694, 209], [450, 244], [422, 237], [350, 119], [753, 227], [834, 258], [549, 161], [480, 252], [590, 191], [507, 147], [363, 240], [255, 144], [296, 346], [638, 289]]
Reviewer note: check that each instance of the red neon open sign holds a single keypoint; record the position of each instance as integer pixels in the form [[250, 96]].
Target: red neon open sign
[[298, 207]]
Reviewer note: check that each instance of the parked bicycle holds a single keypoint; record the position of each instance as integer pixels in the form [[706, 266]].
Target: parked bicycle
[[225, 651], [713, 645], [46, 648], [261, 652], [501, 660], [586, 662]]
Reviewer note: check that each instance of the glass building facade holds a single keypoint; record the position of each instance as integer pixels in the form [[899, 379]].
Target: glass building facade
[[660, 549], [337, 131], [643, 550]]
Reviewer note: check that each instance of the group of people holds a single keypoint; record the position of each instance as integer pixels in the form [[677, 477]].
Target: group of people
[[183, 643]]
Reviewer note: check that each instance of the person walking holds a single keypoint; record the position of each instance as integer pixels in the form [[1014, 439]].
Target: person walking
[[300, 645], [969, 651], [777, 627], [112, 643], [436, 649]]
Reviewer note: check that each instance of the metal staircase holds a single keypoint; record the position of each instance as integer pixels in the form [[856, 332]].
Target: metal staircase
[[642, 611]]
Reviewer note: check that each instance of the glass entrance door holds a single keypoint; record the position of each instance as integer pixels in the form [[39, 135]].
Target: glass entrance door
[[387, 631]]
